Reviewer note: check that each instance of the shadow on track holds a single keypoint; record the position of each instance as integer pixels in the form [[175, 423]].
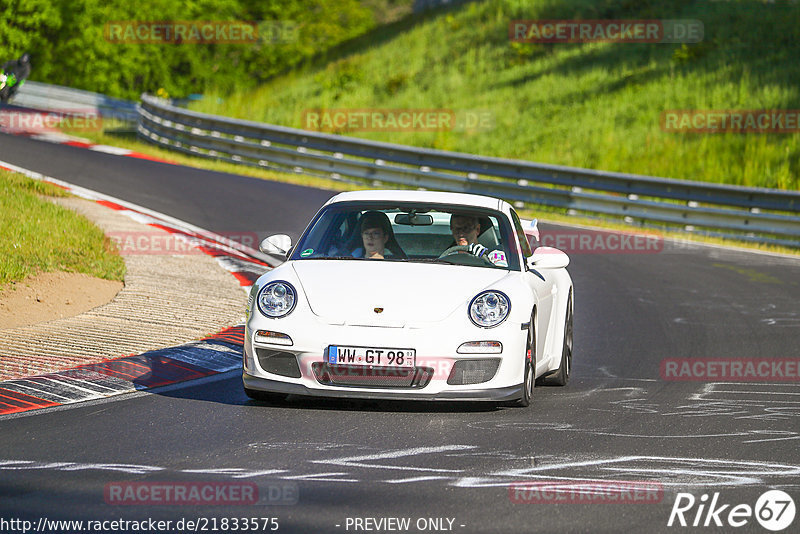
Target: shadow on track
[[229, 391]]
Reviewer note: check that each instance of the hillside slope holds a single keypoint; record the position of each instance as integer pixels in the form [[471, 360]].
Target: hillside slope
[[595, 105]]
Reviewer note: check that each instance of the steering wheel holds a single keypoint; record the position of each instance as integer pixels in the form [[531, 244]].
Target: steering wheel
[[462, 249]]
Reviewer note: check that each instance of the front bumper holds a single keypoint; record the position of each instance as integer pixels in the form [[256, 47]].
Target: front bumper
[[491, 395], [436, 349]]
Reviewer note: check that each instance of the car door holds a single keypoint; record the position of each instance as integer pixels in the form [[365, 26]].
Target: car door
[[542, 285]]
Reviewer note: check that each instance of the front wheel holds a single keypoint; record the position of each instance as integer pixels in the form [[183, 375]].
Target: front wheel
[[561, 377], [530, 369]]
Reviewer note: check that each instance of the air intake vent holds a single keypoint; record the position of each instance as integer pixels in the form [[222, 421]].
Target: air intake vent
[[279, 363], [473, 371], [375, 377]]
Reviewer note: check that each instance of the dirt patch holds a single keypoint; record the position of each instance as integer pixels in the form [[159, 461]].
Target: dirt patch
[[50, 296]]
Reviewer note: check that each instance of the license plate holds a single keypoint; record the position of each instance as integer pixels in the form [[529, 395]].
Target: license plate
[[374, 356]]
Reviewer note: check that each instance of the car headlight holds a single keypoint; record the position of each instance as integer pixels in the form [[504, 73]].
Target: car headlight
[[276, 299], [489, 309]]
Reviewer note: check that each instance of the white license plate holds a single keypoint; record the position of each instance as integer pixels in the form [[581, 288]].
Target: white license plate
[[374, 356]]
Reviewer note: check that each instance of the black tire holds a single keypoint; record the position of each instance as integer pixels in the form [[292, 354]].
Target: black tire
[[561, 377], [265, 396], [530, 366]]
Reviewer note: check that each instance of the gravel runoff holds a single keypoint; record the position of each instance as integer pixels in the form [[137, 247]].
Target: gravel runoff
[[167, 300]]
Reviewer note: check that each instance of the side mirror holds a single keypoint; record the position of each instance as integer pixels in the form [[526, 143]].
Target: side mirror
[[548, 258], [278, 245]]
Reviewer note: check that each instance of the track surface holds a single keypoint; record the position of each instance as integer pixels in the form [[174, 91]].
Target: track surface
[[617, 419]]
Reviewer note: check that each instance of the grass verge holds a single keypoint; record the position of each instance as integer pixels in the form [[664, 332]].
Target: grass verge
[[37, 235]]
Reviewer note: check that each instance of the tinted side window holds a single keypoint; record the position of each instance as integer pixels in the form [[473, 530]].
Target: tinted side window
[[521, 237]]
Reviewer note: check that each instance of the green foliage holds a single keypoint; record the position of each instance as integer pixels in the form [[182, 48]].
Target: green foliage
[[691, 52], [341, 77], [522, 53], [395, 82], [69, 41], [23, 23]]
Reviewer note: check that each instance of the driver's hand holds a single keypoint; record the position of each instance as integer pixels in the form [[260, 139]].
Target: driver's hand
[[477, 249]]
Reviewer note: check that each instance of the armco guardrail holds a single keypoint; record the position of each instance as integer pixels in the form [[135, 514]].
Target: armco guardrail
[[759, 214], [66, 100]]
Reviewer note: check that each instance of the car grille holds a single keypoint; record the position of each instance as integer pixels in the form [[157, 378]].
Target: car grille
[[371, 377], [473, 371], [279, 363]]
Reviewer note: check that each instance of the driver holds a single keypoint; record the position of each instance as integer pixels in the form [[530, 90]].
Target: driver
[[465, 229]]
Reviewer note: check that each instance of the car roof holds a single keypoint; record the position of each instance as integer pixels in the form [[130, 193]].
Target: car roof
[[437, 197]]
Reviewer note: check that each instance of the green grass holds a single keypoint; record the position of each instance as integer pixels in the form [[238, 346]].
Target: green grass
[[39, 236], [593, 105]]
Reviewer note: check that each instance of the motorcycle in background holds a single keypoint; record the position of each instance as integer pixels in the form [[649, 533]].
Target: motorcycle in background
[[8, 85], [12, 76]]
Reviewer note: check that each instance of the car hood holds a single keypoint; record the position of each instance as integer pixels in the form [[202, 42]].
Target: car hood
[[350, 291]]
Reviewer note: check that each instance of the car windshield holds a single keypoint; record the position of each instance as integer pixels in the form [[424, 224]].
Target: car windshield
[[410, 233]]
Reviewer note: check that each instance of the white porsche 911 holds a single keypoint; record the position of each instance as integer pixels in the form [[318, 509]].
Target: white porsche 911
[[410, 295]]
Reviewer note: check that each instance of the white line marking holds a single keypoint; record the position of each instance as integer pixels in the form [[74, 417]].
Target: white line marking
[[67, 383], [39, 392], [219, 471], [108, 149], [355, 461], [414, 479], [72, 466], [772, 439], [254, 474], [320, 476]]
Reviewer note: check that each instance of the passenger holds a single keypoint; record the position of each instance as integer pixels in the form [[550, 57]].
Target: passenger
[[377, 238], [466, 229]]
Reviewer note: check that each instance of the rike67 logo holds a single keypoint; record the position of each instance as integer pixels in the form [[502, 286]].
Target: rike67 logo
[[774, 510]]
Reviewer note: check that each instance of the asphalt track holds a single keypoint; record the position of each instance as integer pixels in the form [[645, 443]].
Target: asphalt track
[[617, 420]]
